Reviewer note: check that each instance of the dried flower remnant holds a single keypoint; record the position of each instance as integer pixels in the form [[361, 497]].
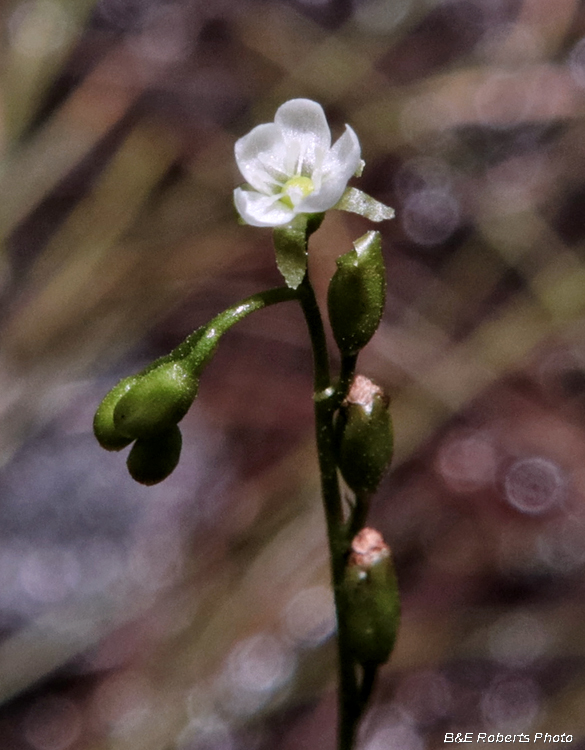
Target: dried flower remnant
[[363, 392], [368, 548]]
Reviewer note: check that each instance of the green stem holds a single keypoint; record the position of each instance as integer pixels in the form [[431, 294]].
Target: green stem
[[357, 519], [317, 335], [206, 344], [198, 347], [346, 375], [324, 410], [368, 683], [326, 402]]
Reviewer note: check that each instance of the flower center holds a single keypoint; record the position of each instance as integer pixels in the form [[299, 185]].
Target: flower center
[[295, 189]]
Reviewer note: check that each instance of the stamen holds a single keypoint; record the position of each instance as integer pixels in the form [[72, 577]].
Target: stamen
[[295, 189]]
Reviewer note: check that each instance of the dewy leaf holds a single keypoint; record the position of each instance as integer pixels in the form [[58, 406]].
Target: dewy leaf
[[361, 203], [290, 244]]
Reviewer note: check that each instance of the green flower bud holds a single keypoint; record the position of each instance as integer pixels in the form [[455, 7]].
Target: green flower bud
[[152, 459], [159, 399], [372, 601], [364, 436], [103, 423], [357, 294]]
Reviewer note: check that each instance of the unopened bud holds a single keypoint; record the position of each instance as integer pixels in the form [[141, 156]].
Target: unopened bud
[[372, 599], [108, 436], [152, 459], [159, 399], [364, 436], [357, 294]]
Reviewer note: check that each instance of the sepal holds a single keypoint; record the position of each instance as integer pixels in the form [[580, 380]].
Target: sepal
[[290, 246], [358, 202]]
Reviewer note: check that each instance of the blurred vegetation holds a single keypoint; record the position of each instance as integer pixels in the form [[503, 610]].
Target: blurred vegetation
[[196, 614]]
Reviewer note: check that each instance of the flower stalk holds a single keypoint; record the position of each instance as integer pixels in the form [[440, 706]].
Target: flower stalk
[[354, 691], [293, 176]]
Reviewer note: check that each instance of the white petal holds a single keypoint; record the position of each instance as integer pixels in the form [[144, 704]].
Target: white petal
[[339, 165], [344, 157], [304, 121], [260, 156], [261, 210], [323, 199]]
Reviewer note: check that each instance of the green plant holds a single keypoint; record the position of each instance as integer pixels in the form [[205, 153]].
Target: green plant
[[293, 176]]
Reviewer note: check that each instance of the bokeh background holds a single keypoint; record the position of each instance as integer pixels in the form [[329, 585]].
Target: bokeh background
[[196, 615]]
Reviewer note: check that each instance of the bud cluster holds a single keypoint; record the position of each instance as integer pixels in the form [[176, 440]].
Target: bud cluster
[[147, 408]]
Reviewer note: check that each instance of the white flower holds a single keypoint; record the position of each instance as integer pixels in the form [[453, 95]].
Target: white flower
[[291, 167]]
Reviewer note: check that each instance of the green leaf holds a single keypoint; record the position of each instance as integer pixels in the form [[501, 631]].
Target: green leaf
[[290, 244], [357, 202]]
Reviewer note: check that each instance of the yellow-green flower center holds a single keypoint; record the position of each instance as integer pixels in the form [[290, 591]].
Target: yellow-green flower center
[[296, 189]]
